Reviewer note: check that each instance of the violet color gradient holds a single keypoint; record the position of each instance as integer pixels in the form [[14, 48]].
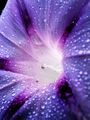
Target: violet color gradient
[[45, 60]]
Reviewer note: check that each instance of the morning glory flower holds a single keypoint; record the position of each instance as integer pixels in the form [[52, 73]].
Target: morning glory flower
[[44, 60]]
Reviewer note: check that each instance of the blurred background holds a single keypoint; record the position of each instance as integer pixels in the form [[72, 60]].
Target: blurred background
[[2, 5]]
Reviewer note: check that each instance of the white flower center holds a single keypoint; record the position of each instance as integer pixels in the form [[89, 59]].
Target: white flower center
[[51, 66]]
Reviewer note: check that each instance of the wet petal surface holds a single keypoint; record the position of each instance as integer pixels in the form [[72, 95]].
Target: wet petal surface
[[35, 36]]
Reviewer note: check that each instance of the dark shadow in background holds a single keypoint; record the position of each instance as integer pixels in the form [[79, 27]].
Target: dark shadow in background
[[2, 5]]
